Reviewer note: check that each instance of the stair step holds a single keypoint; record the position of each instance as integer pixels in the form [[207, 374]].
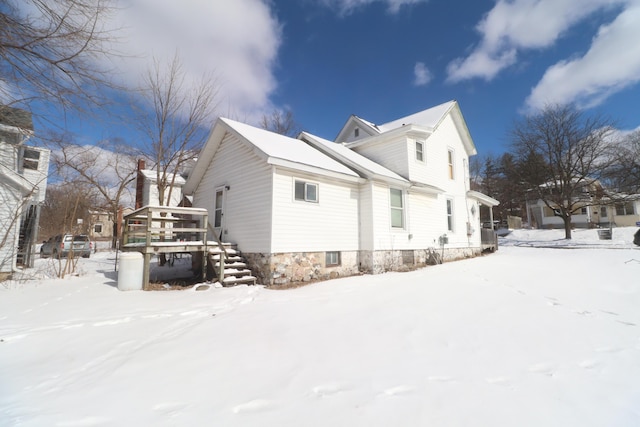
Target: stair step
[[236, 265], [245, 280], [228, 272]]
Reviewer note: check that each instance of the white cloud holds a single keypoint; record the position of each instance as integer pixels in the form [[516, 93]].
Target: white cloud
[[514, 25], [346, 7], [612, 63], [422, 75], [237, 41]]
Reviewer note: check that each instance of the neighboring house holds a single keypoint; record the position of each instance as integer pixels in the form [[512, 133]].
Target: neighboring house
[[101, 225], [596, 208], [150, 194], [23, 182], [381, 198]]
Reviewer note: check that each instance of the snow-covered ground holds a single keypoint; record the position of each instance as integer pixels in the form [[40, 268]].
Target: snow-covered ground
[[528, 336]]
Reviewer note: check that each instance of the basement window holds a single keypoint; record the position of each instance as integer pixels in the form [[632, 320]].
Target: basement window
[[306, 191], [332, 259]]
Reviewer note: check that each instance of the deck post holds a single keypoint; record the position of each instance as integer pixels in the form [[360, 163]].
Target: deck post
[[221, 269], [145, 274], [204, 220]]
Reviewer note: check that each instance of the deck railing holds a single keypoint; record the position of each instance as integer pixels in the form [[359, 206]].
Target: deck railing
[[160, 225], [489, 239]]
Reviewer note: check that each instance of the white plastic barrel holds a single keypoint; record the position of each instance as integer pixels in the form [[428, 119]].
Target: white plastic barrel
[[130, 271]]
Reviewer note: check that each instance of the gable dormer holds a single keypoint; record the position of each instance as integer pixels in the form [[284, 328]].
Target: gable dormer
[[356, 129]]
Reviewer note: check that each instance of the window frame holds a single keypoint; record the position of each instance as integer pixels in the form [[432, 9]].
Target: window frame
[[420, 155], [450, 216], [306, 186], [623, 207], [95, 228], [393, 209], [30, 159], [328, 259], [451, 163]]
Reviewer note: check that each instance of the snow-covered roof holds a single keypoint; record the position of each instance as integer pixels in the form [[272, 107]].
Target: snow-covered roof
[[275, 149], [151, 175], [280, 147], [429, 118], [338, 151]]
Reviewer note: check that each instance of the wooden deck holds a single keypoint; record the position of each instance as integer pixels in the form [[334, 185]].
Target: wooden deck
[[154, 230]]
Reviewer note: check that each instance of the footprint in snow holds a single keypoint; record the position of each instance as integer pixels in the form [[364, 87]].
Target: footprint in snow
[[170, 408], [626, 323], [328, 389], [583, 312], [113, 322], [589, 363], [256, 405], [399, 390], [613, 313], [542, 368], [501, 381]]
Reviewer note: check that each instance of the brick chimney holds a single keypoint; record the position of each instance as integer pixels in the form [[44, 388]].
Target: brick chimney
[[139, 183]]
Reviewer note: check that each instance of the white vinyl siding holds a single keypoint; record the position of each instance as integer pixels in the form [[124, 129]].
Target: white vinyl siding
[[9, 226], [393, 155], [329, 225], [247, 208], [434, 171]]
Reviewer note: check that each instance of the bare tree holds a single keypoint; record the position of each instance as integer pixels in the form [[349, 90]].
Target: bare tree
[[624, 172], [561, 152], [109, 170], [48, 49], [176, 121], [66, 210], [281, 122]]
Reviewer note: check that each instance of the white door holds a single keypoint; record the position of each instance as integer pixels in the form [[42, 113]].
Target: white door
[[218, 215]]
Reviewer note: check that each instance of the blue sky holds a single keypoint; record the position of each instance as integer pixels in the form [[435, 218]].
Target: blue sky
[[384, 59]]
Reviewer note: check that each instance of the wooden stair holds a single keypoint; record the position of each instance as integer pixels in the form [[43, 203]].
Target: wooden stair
[[235, 267]]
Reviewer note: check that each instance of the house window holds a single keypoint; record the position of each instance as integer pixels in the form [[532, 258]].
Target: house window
[[332, 259], [419, 151], [30, 159], [397, 208], [603, 212], [97, 228], [449, 214], [450, 163], [307, 192], [625, 209], [356, 132], [583, 210]]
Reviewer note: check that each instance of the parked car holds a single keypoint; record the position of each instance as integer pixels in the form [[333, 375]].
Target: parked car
[[62, 245]]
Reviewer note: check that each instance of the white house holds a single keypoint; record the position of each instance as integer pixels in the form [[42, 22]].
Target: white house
[[23, 182], [379, 198], [595, 207]]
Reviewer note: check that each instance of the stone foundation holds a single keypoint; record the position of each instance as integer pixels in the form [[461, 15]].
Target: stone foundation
[[281, 269]]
